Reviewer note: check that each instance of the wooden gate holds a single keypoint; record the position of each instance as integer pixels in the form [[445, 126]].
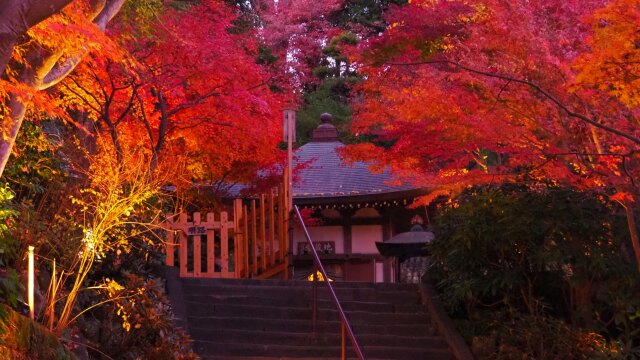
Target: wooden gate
[[204, 248], [254, 242]]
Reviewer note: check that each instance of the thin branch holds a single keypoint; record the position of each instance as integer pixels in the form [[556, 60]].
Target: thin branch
[[144, 118], [87, 103], [97, 78], [532, 85], [129, 106], [196, 124], [198, 101]]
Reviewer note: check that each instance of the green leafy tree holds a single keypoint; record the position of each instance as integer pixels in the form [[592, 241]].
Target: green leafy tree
[[537, 253]]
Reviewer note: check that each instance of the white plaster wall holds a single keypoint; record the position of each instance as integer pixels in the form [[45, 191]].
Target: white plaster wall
[[379, 271], [320, 233], [364, 237]]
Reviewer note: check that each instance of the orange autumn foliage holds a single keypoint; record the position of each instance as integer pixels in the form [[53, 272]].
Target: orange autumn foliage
[[189, 92]]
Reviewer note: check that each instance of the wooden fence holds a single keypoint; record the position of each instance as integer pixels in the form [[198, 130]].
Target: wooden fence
[[253, 242]]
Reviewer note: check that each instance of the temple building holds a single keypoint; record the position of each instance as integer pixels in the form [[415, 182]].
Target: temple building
[[348, 209]]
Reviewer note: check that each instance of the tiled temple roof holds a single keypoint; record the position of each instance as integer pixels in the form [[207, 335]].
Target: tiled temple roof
[[324, 174]]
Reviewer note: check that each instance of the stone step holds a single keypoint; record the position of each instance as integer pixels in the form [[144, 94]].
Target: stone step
[[303, 302], [301, 326], [242, 350], [283, 292], [319, 339], [294, 283], [231, 357], [281, 312], [271, 319]]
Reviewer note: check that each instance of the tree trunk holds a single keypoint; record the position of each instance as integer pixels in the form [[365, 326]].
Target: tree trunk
[[16, 17], [31, 77], [633, 231], [162, 130]]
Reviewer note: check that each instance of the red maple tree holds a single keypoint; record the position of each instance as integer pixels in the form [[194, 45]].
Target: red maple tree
[[481, 91], [190, 91]]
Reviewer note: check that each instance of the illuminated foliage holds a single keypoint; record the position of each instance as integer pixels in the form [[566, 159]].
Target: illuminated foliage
[[42, 44], [483, 91]]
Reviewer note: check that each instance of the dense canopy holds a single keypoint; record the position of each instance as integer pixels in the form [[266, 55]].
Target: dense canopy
[[114, 113]]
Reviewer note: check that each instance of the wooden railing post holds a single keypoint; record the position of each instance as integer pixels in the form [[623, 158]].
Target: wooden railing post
[[211, 245], [254, 237], [272, 230], [238, 237], [224, 243], [170, 245], [263, 234], [183, 248], [197, 248], [245, 231], [280, 226]]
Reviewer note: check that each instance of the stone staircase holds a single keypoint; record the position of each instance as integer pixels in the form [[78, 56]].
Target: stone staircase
[[271, 319]]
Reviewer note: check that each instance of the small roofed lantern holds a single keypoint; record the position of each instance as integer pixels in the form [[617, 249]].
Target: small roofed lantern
[[407, 244]]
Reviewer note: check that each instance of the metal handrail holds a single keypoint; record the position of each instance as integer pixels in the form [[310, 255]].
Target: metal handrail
[[346, 327]]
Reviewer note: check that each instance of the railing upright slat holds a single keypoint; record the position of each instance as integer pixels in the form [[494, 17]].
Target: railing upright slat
[[263, 234], [254, 237]]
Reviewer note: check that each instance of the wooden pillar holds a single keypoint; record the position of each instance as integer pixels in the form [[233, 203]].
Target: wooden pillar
[[183, 247], [287, 231], [224, 243], [388, 264], [387, 223], [254, 237], [263, 234], [282, 224], [245, 231], [197, 251], [239, 238], [170, 246], [347, 236], [279, 223], [272, 228], [347, 231], [211, 247]]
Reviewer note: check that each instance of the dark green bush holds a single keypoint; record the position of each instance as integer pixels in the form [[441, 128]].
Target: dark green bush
[[539, 253]]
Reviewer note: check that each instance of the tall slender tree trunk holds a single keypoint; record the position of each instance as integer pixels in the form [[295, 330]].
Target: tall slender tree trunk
[[633, 231]]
